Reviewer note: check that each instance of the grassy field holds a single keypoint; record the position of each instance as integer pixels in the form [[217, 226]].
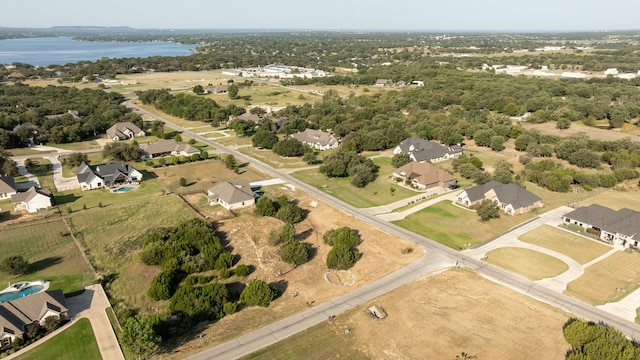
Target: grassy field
[[455, 227], [437, 317], [270, 158], [608, 280], [176, 120], [615, 199], [27, 151], [113, 233], [202, 175], [83, 145], [77, 199], [526, 262], [76, 342], [234, 140], [374, 194], [43, 170], [574, 246], [51, 253]]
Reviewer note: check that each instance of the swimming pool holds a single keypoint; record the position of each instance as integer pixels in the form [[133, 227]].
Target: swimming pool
[[26, 291], [123, 189]]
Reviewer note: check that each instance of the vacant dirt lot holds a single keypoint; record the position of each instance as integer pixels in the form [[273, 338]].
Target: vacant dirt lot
[[631, 131], [437, 317], [247, 234]]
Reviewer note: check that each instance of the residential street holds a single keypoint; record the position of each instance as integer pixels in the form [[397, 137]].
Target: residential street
[[444, 255]]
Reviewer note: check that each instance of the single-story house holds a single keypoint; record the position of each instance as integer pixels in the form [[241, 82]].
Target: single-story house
[[317, 139], [383, 82], [422, 150], [424, 175], [124, 131], [513, 199], [232, 195], [17, 315], [7, 187], [166, 148], [218, 90], [107, 175], [31, 200], [620, 227]]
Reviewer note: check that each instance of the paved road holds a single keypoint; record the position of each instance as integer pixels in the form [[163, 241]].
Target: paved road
[[255, 342]]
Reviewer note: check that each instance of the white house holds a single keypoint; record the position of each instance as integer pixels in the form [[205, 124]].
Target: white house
[[232, 195], [31, 200], [107, 175], [422, 150], [7, 187], [621, 227], [317, 139], [124, 131]]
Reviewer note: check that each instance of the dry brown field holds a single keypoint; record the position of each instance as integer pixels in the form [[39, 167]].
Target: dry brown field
[[437, 317], [247, 235]]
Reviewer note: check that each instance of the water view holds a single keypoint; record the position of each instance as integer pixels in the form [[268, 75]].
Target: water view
[[63, 50]]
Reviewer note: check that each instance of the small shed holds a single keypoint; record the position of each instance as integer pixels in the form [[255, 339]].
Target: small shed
[[378, 312]]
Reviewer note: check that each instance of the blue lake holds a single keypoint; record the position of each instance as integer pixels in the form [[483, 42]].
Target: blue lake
[[63, 50]]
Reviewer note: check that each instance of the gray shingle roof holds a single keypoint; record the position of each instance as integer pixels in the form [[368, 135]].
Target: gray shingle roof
[[232, 192], [318, 137], [7, 184], [14, 315], [119, 129], [425, 150], [513, 194], [624, 221]]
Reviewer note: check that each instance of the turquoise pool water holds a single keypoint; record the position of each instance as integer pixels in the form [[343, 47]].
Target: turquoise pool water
[[22, 293], [123, 189]]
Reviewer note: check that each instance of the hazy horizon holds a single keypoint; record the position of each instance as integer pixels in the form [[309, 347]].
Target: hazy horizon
[[331, 15]]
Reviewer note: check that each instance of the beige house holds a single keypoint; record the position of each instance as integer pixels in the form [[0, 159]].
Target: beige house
[[124, 131], [31, 200], [317, 139], [167, 148], [513, 199], [232, 195], [424, 175], [218, 90], [17, 315]]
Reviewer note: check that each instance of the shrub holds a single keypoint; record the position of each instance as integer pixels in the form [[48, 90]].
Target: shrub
[[265, 206], [224, 261], [51, 323], [488, 210], [343, 235], [257, 293], [229, 308], [342, 257], [242, 270], [183, 182], [290, 213], [224, 273], [294, 252], [14, 265]]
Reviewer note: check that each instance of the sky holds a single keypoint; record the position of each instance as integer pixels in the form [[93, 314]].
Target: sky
[[425, 15]]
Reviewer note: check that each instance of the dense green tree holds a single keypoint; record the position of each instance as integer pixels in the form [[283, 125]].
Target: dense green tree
[[487, 210], [8, 167], [264, 139], [290, 147], [121, 151], [290, 213], [232, 91], [400, 159], [74, 160], [258, 293], [294, 252], [230, 162], [198, 90], [287, 233], [265, 206], [138, 337], [14, 265], [200, 302], [242, 270], [342, 257], [342, 235]]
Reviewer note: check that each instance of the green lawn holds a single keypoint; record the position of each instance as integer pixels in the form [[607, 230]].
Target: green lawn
[[234, 140], [374, 194], [529, 263], [83, 145], [615, 199], [608, 280], [456, 227], [44, 171], [27, 151], [76, 199], [272, 159], [51, 253], [76, 342], [576, 247]]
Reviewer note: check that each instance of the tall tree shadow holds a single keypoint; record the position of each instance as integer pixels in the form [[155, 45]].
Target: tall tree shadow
[[44, 263]]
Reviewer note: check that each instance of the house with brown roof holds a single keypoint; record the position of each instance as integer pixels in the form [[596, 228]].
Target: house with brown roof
[[621, 227], [317, 139], [232, 195], [31, 200], [167, 148], [7, 187], [513, 199], [17, 315], [218, 90], [424, 176], [124, 131]]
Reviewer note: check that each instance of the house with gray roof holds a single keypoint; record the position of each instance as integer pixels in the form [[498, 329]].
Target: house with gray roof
[[124, 131], [317, 139], [107, 175], [17, 315], [422, 150], [513, 199], [232, 195], [31, 200], [167, 148], [621, 227], [7, 187]]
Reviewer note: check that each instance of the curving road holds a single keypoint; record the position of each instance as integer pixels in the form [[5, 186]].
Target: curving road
[[437, 257]]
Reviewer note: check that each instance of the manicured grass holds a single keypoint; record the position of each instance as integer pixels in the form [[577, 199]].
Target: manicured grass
[[214, 135], [51, 253], [83, 145], [113, 320], [325, 345], [27, 151], [76, 199], [112, 234], [44, 171], [202, 175], [374, 194], [234, 140], [76, 342], [272, 159], [615, 199], [529, 263], [456, 227], [576, 247], [608, 280]]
